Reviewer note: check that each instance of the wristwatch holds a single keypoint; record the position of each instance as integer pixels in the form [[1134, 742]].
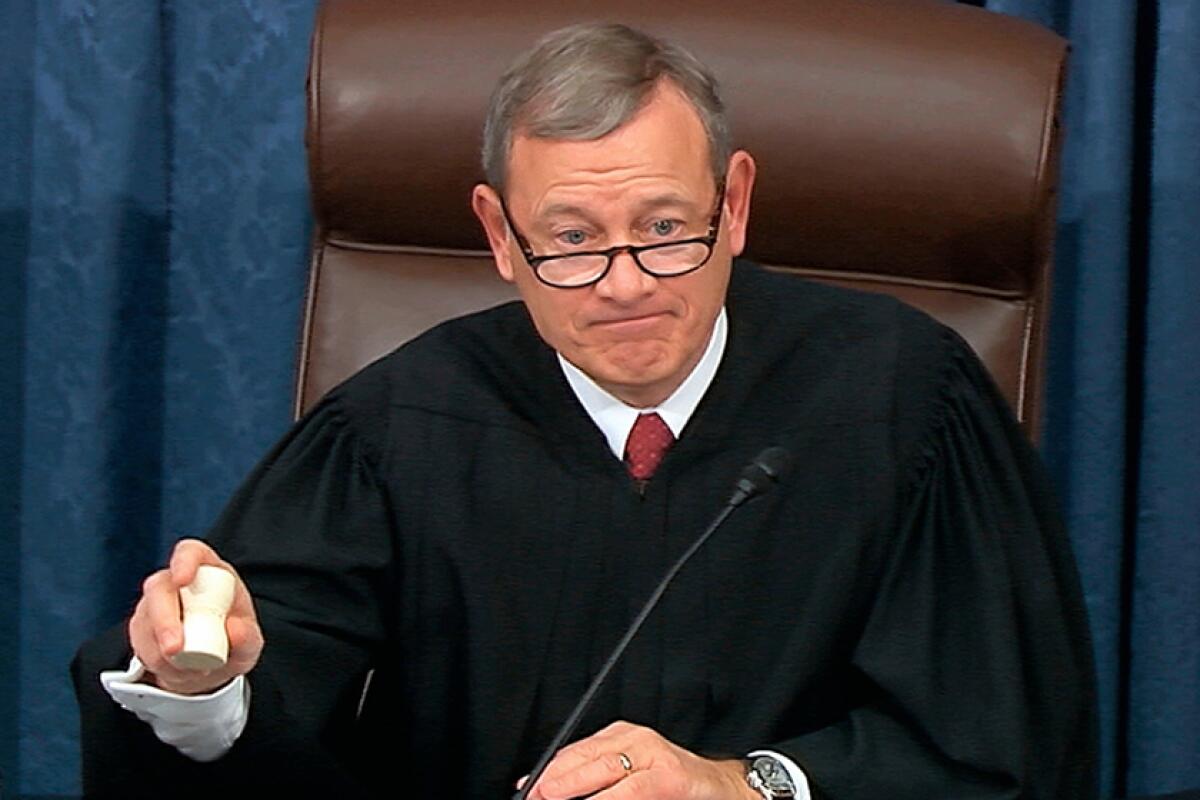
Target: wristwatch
[[769, 778]]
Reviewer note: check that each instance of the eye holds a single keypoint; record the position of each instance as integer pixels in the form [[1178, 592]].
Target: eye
[[574, 238], [664, 227]]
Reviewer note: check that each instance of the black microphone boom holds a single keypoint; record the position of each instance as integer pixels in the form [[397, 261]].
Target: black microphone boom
[[759, 475]]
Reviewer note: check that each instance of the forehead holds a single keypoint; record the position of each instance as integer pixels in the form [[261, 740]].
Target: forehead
[[662, 148]]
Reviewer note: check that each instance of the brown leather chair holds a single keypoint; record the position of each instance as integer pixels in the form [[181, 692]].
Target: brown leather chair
[[903, 147]]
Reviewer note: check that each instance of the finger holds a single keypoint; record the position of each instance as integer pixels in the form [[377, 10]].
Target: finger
[[592, 762], [189, 682], [242, 634], [614, 736], [163, 672], [588, 778], [245, 643], [243, 603], [618, 737], [189, 554], [148, 650], [160, 607], [590, 747], [621, 728], [141, 637], [640, 785], [568, 759]]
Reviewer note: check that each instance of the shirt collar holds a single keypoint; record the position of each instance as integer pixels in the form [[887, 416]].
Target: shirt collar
[[614, 418]]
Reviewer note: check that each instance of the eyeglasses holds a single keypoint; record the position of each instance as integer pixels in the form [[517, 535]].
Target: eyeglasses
[[662, 260]]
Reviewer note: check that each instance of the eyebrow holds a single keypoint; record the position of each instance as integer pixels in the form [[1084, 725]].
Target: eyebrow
[[668, 200]]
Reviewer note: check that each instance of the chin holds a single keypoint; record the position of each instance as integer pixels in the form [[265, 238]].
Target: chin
[[629, 383], [636, 361]]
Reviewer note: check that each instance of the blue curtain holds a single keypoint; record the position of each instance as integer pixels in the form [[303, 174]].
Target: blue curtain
[[1123, 425], [154, 224]]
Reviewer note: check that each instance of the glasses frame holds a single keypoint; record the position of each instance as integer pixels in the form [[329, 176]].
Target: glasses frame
[[634, 250]]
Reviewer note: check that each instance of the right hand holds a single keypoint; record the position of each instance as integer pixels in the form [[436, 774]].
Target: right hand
[[156, 628]]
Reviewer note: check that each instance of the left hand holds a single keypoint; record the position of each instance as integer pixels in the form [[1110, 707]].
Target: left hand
[[659, 770]]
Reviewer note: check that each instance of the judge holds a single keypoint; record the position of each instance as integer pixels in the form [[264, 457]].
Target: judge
[[433, 563]]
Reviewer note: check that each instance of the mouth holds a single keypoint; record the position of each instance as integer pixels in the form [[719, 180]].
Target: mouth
[[631, 324]]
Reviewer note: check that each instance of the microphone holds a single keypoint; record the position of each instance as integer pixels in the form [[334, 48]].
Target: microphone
[[760, 474], [757, 477]]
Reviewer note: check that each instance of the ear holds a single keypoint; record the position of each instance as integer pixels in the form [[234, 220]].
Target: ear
[[739, 185], [486, 205]]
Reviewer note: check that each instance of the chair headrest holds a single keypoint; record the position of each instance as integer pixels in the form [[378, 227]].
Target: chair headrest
[[917, 134]]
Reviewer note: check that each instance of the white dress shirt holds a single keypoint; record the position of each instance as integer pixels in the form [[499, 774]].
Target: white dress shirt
[[204, 727], [615, 419]]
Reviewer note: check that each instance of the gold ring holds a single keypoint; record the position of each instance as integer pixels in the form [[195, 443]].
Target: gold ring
[[625, 762]]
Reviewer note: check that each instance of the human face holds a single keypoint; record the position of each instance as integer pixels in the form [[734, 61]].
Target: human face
[[636, 335]]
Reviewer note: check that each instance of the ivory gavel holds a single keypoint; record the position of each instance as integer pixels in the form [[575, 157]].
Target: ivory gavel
[[206, 602]]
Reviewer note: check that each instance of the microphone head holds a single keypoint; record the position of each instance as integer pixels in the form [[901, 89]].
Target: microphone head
[[761, 474], [774, 461]]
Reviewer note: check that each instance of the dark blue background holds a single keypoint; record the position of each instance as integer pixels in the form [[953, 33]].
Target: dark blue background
[[153, 236]]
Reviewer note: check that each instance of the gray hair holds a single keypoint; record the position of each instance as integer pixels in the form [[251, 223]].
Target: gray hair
[[584, 81]]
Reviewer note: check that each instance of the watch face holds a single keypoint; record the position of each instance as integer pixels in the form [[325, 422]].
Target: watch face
[[773, 776]]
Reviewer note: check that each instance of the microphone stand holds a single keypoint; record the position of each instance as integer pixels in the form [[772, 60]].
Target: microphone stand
[[759, 476]]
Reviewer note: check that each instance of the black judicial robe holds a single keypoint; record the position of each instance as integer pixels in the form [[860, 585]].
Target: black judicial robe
[[902, 616]]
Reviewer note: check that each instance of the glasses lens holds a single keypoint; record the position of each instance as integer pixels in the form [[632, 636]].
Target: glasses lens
[[572, 270], [673, 259]]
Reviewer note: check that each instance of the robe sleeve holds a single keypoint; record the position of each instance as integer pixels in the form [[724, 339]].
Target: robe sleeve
[[973, 675], [311, 533]]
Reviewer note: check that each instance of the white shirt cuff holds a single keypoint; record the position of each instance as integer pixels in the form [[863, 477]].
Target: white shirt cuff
[[203, 727], [799, 779]]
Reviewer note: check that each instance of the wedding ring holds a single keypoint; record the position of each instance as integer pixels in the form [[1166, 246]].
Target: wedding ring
[[625, 762]]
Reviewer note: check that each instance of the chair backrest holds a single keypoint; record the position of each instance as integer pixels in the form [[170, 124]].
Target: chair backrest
[[907, 147]]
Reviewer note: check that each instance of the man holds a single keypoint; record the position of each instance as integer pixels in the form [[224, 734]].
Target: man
[[473, 520]]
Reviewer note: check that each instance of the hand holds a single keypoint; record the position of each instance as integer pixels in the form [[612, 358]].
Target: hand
[[658, 770], [156, 629]]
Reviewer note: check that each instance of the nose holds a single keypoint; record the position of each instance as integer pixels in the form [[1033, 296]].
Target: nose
[[625, 282]]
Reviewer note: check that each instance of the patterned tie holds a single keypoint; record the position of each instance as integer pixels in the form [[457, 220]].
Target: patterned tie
[[647, 444]]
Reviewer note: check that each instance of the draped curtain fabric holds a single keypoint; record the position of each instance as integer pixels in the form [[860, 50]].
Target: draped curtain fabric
[[157, 225], [154, 226], [1122, 432]]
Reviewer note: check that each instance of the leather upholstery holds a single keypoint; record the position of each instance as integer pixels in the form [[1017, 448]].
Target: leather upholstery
[[907, 147]]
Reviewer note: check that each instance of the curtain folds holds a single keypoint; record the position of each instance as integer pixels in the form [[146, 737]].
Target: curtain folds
[[154, 220], [161, 201], [1123, 423]]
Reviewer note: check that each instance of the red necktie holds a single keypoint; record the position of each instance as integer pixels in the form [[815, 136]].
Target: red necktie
[[647, 444]]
